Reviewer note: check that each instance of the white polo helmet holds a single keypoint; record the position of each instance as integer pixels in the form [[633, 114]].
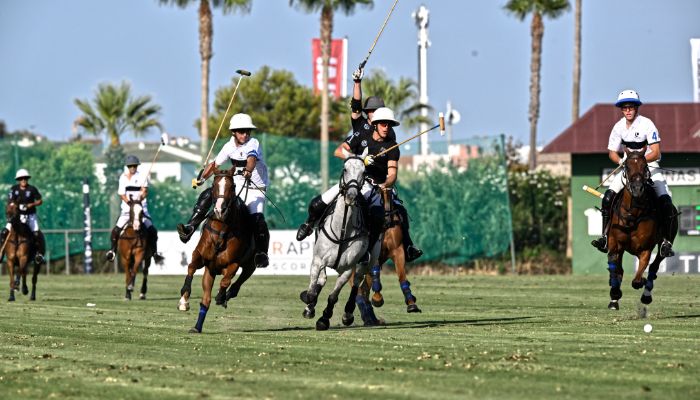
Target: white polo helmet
[[22, 173], [384, 114], [626, 97], [241, 121]]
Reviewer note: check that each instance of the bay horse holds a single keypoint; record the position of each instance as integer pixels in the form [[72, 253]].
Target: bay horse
[[342, 241], [225, 245], [636, 227], [133, 249], [392, 248], [19, 250]]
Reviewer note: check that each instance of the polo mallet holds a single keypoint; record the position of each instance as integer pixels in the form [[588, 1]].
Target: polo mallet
[[440, 124], [242, 73], [594, 191], [163, 142], [362, 64]]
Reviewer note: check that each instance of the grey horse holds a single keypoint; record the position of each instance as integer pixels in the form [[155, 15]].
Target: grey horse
[[342, 240]]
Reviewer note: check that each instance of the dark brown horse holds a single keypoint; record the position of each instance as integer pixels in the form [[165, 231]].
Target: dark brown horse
[[19, 250], [636, 227], [133, 249], [392, 248], [224, 246]]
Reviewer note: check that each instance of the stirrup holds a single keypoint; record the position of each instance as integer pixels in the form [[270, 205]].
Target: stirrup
[[666, 250], [110, 255], [413, 253], [158, 258], [185, 232], [39, 258], [304, 231], [261, 260], [601, 244]]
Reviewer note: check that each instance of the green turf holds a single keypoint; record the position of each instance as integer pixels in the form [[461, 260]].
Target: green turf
[[478, 337]]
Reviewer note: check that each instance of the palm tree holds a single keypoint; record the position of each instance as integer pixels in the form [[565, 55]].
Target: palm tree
[[113, 111], [206, 33], [327, 8], [577, 62], [538, 9], [401, 96]]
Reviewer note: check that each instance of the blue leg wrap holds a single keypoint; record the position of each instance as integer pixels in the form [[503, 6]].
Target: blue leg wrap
[[614, 280], [406, 289], [376, 278], [202, 314], [650, 283]]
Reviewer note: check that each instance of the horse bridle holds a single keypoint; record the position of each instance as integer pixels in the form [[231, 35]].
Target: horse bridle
[[227, 201], [646, 174], [352, 183]]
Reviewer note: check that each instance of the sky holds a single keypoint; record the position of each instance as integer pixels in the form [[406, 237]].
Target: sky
[[53, 52]]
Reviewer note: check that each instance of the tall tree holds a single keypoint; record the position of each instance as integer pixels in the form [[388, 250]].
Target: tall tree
[[577, 63], [114, 111], [327, 9], [206, 35], [539, 9], [279, 105]]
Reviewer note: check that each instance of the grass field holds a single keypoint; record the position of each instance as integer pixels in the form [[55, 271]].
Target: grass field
[[479, 337]]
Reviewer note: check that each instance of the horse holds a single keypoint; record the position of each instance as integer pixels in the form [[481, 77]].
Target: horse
[[392, 248], [133, 249], [19, 250], [224, 246], [340, 245], [635, 227]]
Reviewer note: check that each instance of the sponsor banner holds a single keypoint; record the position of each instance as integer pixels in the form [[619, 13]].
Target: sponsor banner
[[337, 67], [695, 66], [287, 256], [677, 177], [680, 263]]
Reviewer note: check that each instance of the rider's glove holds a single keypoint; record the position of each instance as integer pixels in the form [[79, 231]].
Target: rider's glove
[[369, 160], [357, 75], [23, 207]]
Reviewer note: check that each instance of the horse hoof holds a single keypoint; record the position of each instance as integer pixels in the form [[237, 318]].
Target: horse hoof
[[413, 308], [32, 298], [614, 305], [142, 296], [308, 314], [322, 324], [304, 296], [12, 298], [646, 299], [25, 290], [183, 305], [348, 319], [378, 302], [640, 284], [195, 330]]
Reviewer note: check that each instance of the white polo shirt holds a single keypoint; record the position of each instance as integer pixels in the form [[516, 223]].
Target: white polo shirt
[[131, 188], [239, 156], [642, 129]]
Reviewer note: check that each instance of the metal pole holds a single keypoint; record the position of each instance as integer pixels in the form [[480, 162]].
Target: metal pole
[[510, 211], [67, 253], [87, 268], [421, 17]]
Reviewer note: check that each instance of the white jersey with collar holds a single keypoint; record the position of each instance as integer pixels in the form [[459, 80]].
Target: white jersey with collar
[[131, 188], [642, 129], [239, 156]]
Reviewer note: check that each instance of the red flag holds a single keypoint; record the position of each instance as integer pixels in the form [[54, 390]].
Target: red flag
[[337, 67]]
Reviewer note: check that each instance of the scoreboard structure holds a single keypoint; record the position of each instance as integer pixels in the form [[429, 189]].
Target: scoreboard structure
[[689, 224]]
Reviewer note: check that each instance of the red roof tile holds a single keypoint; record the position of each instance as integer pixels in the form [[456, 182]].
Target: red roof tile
[[678, 124]]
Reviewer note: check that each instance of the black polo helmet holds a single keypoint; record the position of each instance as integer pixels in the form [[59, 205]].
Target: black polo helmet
[[132, 160], [372, 103]]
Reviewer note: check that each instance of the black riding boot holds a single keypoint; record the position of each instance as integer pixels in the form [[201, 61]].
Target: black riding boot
[[375, 227], [316, 209], [668, 214], [412, 252], [602, 242], [153, 244], [199, 213], [40, 244], [262, 240], [116, 231]]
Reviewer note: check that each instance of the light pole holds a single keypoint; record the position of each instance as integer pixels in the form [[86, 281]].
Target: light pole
[[421, 16]]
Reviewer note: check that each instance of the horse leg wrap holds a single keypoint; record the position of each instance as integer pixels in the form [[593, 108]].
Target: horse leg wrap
[[406, 289], [376, 278], [202, 314], [366, 311], [350, 305], [614, 278], [187, 287]]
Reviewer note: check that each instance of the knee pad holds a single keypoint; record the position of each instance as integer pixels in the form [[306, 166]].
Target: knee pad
[[204, 200]]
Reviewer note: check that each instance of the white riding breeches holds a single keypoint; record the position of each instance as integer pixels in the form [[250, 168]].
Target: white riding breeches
[[124, 219], [372, 196], [29, 219], [254, 199], [660, 186]]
